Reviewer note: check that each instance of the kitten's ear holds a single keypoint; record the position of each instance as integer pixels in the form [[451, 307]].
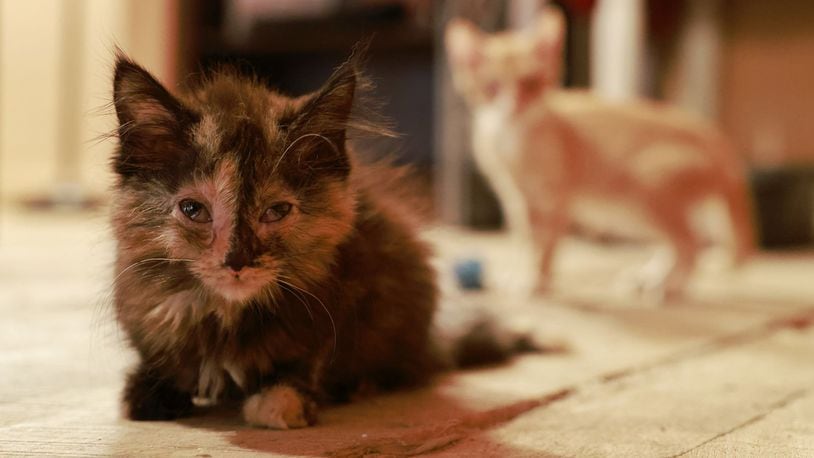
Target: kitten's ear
[[150, 120], [332, 104], [139, 98], [463, 40], [322, 122], [551, 33]]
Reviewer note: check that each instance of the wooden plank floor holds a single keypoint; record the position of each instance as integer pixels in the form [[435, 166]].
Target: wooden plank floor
[[729, 372]]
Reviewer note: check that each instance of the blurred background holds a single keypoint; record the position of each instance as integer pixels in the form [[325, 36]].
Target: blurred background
[[746, 64], [731, 366]]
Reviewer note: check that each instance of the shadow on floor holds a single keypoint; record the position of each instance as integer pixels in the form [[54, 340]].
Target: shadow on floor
[[401, 424]]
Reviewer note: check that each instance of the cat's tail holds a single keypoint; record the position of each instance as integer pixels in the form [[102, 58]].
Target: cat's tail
[[469, 336], [486, 343]]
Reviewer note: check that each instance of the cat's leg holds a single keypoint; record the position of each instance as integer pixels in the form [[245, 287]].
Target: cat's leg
[[673, 218], [548, 225], [514, 206], [513, 202], [280, 406], [150, 396], [647, 281]]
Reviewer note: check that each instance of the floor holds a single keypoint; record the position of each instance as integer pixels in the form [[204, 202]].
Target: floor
[[729, 371]]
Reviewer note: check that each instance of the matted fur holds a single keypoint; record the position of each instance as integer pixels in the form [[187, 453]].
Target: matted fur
[[336, 294]]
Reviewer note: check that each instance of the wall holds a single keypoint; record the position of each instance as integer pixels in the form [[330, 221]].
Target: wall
[[54, 88], [768, 69]]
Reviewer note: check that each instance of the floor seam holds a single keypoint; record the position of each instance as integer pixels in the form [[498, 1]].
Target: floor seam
[[797, 320], [782, 403]]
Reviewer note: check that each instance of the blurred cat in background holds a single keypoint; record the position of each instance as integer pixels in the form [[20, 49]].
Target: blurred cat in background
[[544, 148]]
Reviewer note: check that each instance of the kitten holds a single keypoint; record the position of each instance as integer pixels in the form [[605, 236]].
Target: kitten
[[256, 256], [545, 149]]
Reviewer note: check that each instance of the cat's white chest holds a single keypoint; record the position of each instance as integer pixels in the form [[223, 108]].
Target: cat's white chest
[[495, 138]]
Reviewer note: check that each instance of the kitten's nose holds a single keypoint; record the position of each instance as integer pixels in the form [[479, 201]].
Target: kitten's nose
[[237, 260]]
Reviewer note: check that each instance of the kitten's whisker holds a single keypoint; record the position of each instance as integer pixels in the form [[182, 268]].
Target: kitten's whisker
[[138, 263], [290, 288], [328, 312], [301, 137]]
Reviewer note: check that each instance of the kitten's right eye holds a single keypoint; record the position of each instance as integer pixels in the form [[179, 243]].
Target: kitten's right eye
[[195, 211]]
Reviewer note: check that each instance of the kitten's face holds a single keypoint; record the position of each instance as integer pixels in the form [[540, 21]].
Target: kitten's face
[[247, 187], [508, 70]]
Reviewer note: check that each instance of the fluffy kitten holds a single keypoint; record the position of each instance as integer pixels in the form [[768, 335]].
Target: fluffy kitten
[[544, 149], [256, 256]]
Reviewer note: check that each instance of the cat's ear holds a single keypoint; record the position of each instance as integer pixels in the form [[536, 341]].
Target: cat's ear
[[550, 34], [331, 106], [463, 42], [150, 120], [140, 99], [322, 123]]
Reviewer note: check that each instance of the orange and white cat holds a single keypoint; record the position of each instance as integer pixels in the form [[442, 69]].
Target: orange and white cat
[[544, 148]]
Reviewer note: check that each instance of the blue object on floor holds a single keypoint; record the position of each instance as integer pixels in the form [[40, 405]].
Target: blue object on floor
[[469, 273]]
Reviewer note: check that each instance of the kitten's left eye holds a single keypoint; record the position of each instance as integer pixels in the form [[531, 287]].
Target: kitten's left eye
[[276, 212]]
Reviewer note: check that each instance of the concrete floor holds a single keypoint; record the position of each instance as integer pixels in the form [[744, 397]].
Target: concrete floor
[[730, 371]]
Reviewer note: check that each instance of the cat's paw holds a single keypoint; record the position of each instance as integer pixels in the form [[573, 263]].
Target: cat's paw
[[279, 407], [648, 283], [542, 286]]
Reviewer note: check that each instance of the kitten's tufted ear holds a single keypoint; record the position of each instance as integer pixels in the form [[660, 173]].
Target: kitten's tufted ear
[[463, 40], [331, 107], [322, 123], [150, 120], [551, 33], [140, 99]]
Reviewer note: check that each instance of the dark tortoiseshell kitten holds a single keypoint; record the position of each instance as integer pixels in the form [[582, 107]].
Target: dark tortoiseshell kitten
[[254, 256]]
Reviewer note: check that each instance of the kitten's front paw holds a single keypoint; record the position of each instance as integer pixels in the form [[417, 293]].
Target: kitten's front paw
[[279, 407]]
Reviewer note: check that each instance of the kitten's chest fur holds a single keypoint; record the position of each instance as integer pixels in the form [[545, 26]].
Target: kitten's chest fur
[[189, 332]]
